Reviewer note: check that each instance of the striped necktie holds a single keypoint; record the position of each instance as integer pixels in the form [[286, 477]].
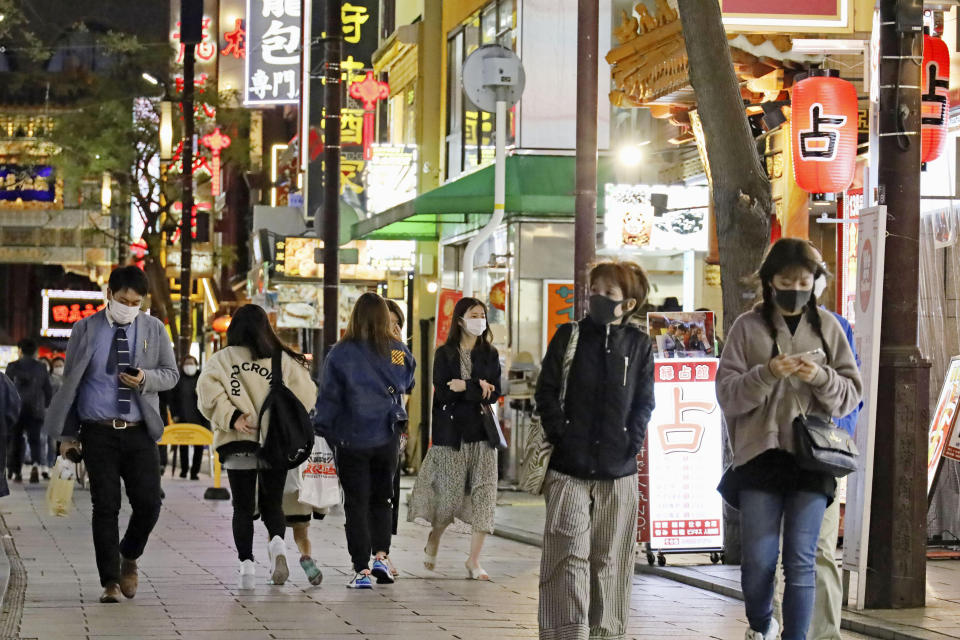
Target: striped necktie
[[122, 348]]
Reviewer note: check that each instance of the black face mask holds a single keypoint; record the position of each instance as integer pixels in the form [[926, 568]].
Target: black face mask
[[602, 309], [791, 300]]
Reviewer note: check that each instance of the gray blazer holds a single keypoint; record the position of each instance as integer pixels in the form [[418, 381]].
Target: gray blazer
[[153, 354]]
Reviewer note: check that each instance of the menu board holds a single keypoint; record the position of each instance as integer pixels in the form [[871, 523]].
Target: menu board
[[682, 459], [943, 426]]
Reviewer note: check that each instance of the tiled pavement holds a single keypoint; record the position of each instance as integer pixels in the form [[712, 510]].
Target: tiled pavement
[[187, 587]]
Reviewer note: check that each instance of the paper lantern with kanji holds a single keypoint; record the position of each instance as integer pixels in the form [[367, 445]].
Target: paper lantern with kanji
[[824, 128], [935, 99]]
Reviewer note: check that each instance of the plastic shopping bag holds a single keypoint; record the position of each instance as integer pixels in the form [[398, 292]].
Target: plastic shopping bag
[[319, 485], [60, 490]]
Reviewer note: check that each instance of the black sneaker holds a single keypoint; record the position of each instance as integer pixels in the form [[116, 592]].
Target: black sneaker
[[35, 476], [18, 478]]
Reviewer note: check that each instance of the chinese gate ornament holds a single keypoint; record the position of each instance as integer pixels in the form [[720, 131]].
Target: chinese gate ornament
[[369, 91], [935, 100], [824, 131]]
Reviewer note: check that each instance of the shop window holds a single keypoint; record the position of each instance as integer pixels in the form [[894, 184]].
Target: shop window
[[470, 132]]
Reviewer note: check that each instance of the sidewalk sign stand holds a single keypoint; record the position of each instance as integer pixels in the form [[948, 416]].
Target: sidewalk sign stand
[[186, 433]]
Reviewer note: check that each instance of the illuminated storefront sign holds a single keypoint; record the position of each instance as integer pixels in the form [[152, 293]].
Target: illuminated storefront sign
[[274, 47], [63, 309], [391, 176], [656, 217]]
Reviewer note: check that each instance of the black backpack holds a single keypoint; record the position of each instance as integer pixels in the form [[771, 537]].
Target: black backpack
[[29, 390], [290, 439]]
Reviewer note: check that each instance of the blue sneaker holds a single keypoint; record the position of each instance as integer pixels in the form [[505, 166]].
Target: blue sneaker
[[361, 581], [382, 572]]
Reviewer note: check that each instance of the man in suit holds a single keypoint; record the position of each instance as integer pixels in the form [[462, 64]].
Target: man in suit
[[118, 360]]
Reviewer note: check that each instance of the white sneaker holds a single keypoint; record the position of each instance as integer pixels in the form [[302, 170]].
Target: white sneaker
[[248, 575], [277, 550], [773, 632]]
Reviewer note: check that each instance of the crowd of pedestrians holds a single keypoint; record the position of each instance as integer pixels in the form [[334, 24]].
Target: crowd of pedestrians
[[119, 386]]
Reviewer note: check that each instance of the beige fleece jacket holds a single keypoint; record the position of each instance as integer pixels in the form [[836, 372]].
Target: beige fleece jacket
[[233, 380], [759, 408]]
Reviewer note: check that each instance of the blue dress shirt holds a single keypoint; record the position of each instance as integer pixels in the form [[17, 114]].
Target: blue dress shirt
[[97, 397]]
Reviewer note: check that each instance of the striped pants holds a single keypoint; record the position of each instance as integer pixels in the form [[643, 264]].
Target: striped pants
[[586, 570]]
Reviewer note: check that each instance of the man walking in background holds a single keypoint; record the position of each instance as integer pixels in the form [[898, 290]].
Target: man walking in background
[[118, 360], [33, 385]]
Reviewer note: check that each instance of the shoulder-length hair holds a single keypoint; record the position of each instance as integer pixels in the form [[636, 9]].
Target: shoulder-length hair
[[370, 324], [463, 306], [629, 276], [251, 328]]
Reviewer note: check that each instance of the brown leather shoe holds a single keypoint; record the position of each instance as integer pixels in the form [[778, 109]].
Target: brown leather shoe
[[128, 577], [112, 594]]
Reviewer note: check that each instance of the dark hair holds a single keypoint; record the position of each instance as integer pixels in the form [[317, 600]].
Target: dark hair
[[370, 324], [57, 359], [28, 346], [189, 356], [128, 277], [629, 276], [787, 253], [464, 305], [251, 328], [395, 309]]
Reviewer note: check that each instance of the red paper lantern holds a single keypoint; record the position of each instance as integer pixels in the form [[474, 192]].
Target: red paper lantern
[[221, 324], [824, 115], [935, 99], [498, 295]]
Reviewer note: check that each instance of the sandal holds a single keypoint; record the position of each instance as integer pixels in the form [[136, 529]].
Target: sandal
[[476, 574]]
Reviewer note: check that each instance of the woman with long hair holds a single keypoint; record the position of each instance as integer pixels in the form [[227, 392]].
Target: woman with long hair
[[596, 430], [458, 478], [361, 414], [785, 358], [231, 390]]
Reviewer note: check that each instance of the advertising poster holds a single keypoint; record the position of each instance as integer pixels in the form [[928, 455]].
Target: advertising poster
[[943, 430], [557, 307], [683, 460], [656, 217], [682, 334], [446, 301]]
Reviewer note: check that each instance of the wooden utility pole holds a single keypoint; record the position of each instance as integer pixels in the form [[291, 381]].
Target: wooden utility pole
[[742, 201], [332, 52], [896, 565], [585, 226]]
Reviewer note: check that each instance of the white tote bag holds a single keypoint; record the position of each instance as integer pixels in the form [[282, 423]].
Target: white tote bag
[[319, 485]]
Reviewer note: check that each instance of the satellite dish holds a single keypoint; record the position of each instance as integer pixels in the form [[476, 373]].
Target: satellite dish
[[492, 74]]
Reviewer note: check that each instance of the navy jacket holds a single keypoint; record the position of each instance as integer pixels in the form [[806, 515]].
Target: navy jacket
[[849, 422], [457, 416], [602, 425], [9, 414], [359, 393]]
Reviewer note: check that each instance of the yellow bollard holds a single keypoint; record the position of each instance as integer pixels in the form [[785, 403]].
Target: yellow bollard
[[187, 433]]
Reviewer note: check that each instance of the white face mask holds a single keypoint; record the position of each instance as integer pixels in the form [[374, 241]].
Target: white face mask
[[121, 313], [190, 369], [475, 326], [819, 286], [58, 371]]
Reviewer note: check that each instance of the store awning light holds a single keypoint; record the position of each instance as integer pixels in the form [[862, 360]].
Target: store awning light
[[827, 45]]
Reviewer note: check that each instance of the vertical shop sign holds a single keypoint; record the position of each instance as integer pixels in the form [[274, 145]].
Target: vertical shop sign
[[682, 458], [274, 46], [557, 307], [446, 302], [871, 236]]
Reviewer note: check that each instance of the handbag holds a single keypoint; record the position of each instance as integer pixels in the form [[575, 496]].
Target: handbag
[[491, 425], [536, 448], [60, 490], [319, 484]]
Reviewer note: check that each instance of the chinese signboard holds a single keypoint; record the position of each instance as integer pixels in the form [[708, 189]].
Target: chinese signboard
[[682, 459], [391, 176], [272, 56], [656, 217], [557, 307], [22, 184], [63, 309]]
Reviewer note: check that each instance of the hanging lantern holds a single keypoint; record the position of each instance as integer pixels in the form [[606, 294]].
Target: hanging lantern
[[824, 131], [935, 99], [498, 295], [221, 324]]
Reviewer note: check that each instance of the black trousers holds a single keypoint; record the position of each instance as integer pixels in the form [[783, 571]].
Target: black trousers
[[112, 455], [32, 428], [366, 476], [184, 459], [248, 502]]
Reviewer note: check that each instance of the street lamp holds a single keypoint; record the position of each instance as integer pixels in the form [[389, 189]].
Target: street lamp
[[106, 192]]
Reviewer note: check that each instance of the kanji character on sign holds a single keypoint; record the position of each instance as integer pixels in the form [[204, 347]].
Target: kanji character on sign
[[351, 127], [686, 373], [667, 373], [287, 77], [236, 41], [281, 8], [60, 312], [353, 18], [702, 372], [352, 169], [680, 436], [260, 84], [277, 39]]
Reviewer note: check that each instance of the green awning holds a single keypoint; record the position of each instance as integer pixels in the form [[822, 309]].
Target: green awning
[[535, 186]]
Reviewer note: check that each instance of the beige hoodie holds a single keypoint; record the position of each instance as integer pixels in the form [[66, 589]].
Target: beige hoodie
[[759, 408], [232, 380]]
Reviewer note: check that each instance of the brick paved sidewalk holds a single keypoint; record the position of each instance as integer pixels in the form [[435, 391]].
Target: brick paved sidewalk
[[187, 585]]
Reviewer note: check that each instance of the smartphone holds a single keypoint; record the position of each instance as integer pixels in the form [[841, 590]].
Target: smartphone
[[132, 371], [816, 355]]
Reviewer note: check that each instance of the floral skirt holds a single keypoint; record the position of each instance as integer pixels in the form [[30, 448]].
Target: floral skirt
[[458, 485]]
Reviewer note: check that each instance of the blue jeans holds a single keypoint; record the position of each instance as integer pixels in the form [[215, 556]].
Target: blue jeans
[[761, 514]]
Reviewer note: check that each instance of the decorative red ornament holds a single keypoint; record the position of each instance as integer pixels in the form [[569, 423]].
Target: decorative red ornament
[[824, 131], [216, 142], [498, 295], [935, 100], [369, 91], [221, 323]]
